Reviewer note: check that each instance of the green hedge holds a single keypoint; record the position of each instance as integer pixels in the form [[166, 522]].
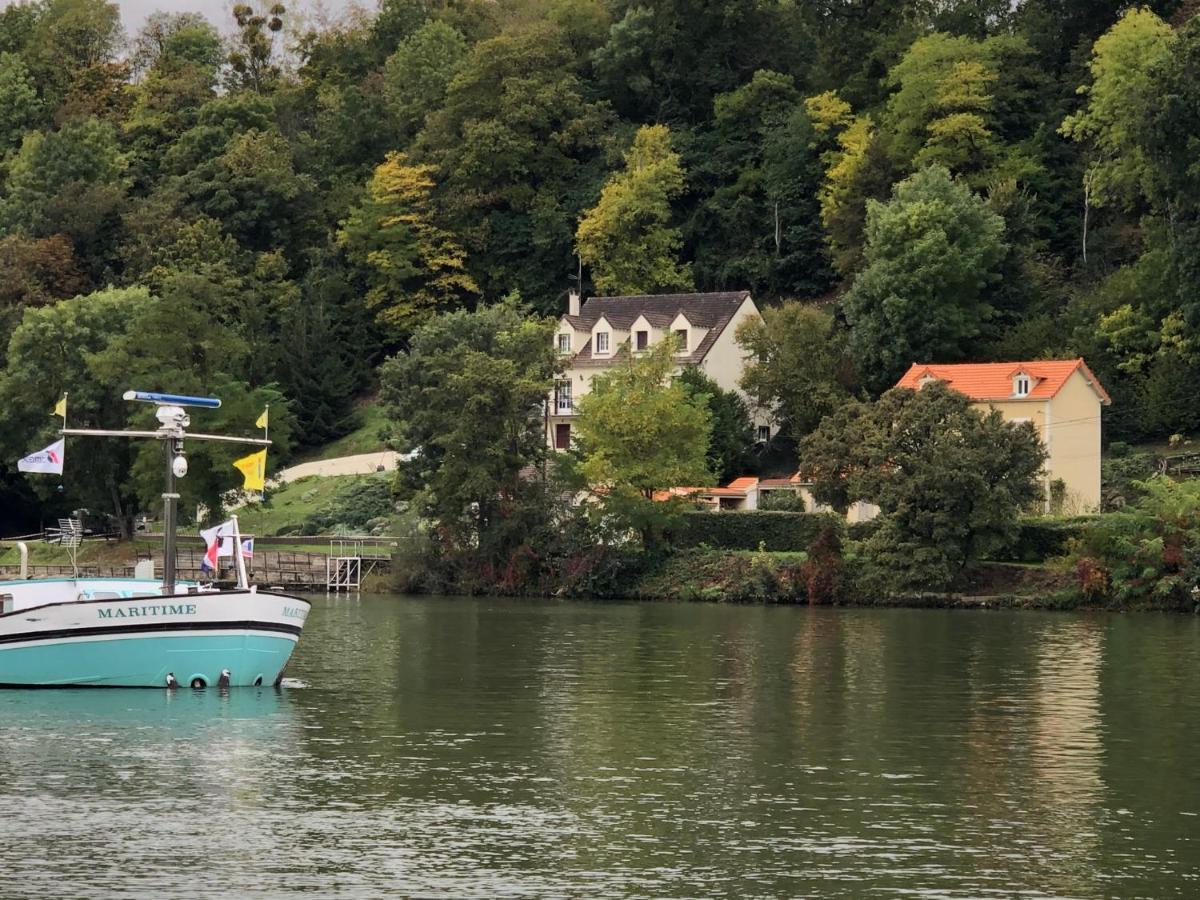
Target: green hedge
[[1044, 538], [774, 531], [861, 531], [1039, 539]]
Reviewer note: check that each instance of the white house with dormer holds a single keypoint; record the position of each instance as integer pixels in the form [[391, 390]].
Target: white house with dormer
[[590, 335]]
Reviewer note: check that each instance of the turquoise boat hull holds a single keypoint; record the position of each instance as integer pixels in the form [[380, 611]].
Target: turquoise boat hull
[[126, 633], [145, 661]]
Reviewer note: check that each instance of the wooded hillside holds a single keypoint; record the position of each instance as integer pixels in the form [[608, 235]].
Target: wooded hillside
[[267, 214]]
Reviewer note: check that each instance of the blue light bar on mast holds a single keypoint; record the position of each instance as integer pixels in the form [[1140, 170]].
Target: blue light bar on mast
[[173, 399]]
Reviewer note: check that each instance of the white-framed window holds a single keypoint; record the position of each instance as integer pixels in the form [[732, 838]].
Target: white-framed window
[[764, 433], [562, 398], [1021, 386], [564, 343], [681, 340], [602, 342], [642, 340]]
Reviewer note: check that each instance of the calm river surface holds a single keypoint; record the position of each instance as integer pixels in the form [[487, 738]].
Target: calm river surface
[[462, 748]]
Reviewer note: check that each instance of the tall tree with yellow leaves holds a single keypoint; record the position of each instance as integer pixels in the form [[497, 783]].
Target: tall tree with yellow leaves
[[627, 238], [414, 267]]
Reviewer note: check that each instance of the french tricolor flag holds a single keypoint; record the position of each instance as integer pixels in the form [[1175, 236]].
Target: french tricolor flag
[[212, 544]]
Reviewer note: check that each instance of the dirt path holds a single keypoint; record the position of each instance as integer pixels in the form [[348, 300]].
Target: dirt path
[[361, 464]]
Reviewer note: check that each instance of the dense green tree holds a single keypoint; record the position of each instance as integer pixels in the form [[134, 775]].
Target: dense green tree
[[797, 369], [180, 60], [35, 272], [335, 112], [253, 188], [51, 172], [626, 239], [1060, 29], [640, 432], [943, 97], [69, 39], [159, 244], [71, 182], [666, 60], [759, 228], [858, 42], [931, 255], [950, 482], [19, 103], [319, 371], [519, 153], [52, 351], [969, 105], [17, 24], [419, 72], [1169, 393], [177, 336], [396, 22], [172, 40], [466, 399]]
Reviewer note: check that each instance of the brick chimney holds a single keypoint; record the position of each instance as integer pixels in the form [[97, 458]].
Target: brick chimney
[[572, 302]]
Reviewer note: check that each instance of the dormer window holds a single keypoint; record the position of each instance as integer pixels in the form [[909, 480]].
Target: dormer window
[[602, 342], [924, 380], [681, 340], [642, 340], [1021, 386], [564, 343]]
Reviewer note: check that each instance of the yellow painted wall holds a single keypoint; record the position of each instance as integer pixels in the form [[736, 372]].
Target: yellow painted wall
[[1069, 425], [1074, 444]]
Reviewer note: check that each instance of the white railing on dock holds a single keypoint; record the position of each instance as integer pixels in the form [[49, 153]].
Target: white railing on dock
[[344, 565]]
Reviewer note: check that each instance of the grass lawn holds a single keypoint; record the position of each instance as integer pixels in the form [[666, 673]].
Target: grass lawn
[[363, 439], [291, 504], [91, 553]]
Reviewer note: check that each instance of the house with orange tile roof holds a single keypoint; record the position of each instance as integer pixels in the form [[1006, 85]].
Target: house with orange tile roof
[[747, 493], [593, 333], [739, 494], [1063, 401]]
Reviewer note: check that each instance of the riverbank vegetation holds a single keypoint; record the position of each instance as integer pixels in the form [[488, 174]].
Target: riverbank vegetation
[[287, 211], [960, 494]]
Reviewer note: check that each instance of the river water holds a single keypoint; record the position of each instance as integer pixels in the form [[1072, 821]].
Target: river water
[[463, 748]]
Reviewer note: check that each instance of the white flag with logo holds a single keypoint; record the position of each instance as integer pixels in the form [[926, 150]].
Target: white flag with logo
[[47, 462], [215, 540]]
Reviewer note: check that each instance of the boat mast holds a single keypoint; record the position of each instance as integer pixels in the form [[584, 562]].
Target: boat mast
[[173, 421]]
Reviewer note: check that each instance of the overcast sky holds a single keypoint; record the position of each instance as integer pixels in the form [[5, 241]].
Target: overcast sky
[[134, 12]]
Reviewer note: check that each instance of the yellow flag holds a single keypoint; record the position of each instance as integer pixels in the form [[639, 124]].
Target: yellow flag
[[60, 408], [262, 420], [253, 469]]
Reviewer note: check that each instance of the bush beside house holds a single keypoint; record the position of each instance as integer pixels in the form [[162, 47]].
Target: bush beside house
[[778, 532]]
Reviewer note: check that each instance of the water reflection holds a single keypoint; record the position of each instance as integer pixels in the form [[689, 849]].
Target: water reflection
[[480, 749]]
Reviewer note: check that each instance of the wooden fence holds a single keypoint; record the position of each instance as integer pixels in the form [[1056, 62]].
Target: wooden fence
[[291, 570]]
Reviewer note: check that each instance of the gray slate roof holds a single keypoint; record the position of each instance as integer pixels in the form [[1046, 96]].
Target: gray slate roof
[[713, 311]]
